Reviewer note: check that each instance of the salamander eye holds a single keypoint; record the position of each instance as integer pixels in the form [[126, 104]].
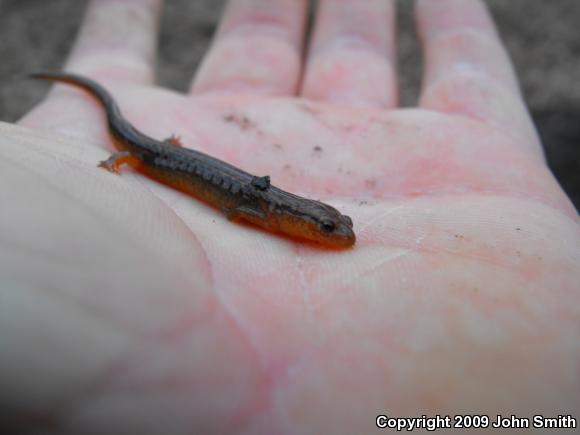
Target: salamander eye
[[327, 226]]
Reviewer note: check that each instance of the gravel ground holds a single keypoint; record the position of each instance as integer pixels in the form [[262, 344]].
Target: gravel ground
[[541, 36]]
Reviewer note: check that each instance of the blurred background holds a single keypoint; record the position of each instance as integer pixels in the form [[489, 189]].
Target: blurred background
[[542, 38]]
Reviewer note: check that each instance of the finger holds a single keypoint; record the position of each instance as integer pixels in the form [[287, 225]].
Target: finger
[[352, 56], [257, 49], [467, 69], [117, 40]]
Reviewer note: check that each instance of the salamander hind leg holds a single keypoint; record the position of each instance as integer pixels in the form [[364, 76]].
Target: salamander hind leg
[[113, 163], [174, 140]]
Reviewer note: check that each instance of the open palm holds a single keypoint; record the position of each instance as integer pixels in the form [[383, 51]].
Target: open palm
[[132, 308]]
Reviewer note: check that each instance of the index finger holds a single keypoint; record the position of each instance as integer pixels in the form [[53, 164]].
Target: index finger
[[117, 41]]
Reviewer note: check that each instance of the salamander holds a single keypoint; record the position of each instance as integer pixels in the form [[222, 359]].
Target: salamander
[[240, 195]]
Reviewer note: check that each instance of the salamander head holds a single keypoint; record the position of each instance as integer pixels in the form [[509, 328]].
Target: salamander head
[[321, 223], [336, 230]]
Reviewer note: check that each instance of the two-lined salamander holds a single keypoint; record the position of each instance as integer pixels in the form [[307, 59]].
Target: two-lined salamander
[[240, 195]]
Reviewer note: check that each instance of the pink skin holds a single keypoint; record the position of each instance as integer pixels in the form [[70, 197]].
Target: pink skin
[[132, 308]]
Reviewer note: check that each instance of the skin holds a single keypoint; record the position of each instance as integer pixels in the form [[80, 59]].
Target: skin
[[126, 307]]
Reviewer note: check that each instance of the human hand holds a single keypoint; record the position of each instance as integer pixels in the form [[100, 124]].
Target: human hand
[[131, 308]]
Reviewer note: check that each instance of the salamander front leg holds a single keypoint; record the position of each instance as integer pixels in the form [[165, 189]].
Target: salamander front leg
[[113, 163], [245, 213], [174, 140]]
